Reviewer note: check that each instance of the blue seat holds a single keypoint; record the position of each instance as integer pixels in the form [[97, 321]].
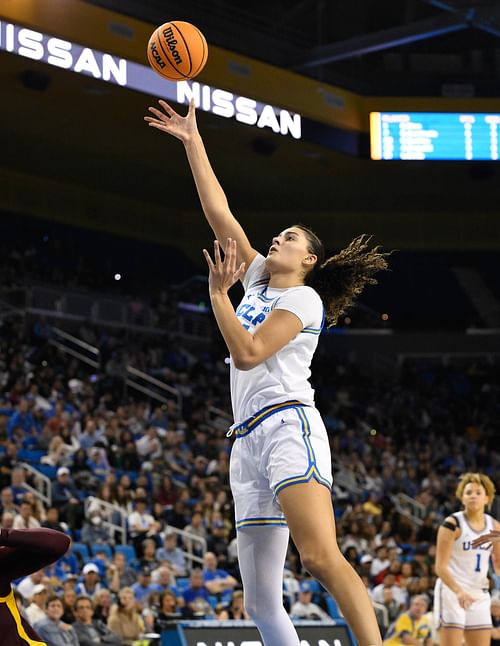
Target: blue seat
[[47, 470], [81, 550], [128, 550], [102, 548], [31, 455]]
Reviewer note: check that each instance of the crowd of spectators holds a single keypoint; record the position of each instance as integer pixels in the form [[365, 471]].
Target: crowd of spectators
[[164, 470]]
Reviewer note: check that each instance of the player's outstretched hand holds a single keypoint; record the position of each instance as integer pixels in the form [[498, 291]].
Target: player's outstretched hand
[[485, 539], [223, 273], [172, 122]]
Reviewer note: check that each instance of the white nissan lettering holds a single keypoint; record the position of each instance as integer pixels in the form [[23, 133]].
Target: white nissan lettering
[[243, 109]]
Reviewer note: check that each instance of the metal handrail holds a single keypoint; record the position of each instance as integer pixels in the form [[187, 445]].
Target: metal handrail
[[110, 507], [76, 341], [409, 507], [45, 491], [139, 374], [188, 553]]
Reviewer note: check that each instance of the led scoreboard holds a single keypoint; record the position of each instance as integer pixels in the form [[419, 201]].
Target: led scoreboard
[[434, 135]]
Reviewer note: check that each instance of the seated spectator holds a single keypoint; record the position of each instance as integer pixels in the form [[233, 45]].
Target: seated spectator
[[149, 554], [36, 610], [7, 503], [380, 563], [27, 585], [124, 620], [377, 593], [98, 462], [22, 418], [18, 485], [52, 629], [8, 462], [166, 494], [216, 580], [52, 520], [68, 600], [141, 525], [236, 609], [172, 553], [91, 435], [120, 574], [25, 518], [196, 595], [37, 506], [7, 520], [90, 584], [164, 577], [103, 603], [92, 631], [66, 498], [58, 454], [168, 611], [196, 527], [219, 534], [411, 627], [148, 445], [94, 532], [304, 608], [144, 587]]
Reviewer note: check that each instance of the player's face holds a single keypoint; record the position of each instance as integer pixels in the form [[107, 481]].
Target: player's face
[[474, 497], [289, 251]]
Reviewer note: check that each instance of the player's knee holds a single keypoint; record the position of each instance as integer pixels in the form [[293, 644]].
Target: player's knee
[[316, 560]]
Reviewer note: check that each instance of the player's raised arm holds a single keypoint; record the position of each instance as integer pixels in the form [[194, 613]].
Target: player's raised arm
[[212, 197]]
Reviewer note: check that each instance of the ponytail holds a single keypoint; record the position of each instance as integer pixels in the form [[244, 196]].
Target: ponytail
[[340, 279]]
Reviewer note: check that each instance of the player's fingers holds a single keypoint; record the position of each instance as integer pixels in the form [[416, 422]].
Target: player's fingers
[[217, 253], [192, 108], [209, 260], [241, 270], [159, 114], [168, 109]]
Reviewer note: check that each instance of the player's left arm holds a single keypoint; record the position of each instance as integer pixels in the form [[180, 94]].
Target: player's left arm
[[247, 350]]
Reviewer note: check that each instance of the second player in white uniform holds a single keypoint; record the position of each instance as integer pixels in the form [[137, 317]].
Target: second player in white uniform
[[462, 600]]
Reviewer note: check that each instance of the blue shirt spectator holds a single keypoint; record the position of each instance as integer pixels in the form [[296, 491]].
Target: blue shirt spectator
[[143, 587]]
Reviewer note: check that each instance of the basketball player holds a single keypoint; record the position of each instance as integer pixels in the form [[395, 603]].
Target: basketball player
[[280, 462], [22, 552], [462, 599]]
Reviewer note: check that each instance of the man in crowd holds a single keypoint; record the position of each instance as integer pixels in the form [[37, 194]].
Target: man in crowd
[[304, 608], [90, 631], [25, 519], [411, 627], [54, 631], [216, 580], [36, 610]]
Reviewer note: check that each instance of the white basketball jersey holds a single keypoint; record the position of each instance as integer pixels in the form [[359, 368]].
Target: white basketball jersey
[[284, 376], [469, 565]]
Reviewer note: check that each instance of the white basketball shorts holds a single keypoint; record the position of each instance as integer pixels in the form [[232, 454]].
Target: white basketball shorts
[[449, 614], [281, 445]]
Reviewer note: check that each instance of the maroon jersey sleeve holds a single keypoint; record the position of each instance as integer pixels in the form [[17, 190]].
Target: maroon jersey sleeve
[[24, 551]]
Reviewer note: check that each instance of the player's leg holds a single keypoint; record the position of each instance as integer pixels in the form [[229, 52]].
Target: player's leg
[[477, 637], [309, 512], [261, 555], [451, 636]]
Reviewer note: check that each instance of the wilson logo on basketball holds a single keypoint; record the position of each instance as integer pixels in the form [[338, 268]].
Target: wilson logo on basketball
[[156, 55], [170, 40]]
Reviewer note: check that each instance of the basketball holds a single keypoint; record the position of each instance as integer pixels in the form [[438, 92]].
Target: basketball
[[177, 50]]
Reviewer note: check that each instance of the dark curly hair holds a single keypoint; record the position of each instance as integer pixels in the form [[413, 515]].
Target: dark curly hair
[[340, 279]]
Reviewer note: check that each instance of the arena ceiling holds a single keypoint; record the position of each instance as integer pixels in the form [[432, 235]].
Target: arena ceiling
[[76, 149]]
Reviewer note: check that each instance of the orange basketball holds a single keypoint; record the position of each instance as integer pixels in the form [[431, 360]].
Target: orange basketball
[[177, 50]]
